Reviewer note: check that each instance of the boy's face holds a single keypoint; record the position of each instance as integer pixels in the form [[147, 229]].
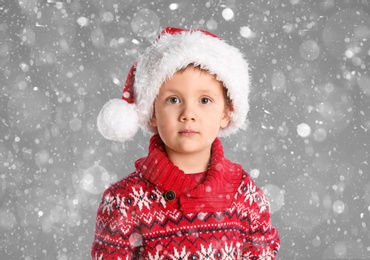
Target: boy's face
[[189, 111]]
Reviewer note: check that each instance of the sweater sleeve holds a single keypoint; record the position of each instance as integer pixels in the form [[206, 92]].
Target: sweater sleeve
[[262, 239], [115, 236]]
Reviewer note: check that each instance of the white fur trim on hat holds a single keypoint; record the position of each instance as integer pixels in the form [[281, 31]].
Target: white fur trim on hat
[[172, 52]]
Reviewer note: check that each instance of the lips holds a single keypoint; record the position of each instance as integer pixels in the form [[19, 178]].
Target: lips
[[188, 132]]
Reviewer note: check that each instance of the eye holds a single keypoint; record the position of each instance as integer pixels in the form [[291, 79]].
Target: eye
[[205, 100], [173, 100]]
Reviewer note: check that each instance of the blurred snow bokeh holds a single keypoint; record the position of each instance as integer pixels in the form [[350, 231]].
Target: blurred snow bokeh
[[307, 144]]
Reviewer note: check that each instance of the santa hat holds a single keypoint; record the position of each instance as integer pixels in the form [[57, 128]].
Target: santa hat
[[174, 50]]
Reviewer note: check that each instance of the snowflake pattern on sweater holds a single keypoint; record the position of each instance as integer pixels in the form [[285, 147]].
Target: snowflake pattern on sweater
[[225, 217]]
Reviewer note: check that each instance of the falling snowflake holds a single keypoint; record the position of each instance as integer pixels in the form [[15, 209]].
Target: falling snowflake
[[140, 198]]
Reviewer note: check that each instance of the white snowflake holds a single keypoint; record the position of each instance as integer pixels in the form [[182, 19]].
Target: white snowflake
[[96, 257], [249, 193], [247, 256], [160, 197], [263, 203], [228, 252], [180, 256], [155, 257], [253, 195], [108, 204], [140, 198], [206, 253], [266, 255], [121, 205]]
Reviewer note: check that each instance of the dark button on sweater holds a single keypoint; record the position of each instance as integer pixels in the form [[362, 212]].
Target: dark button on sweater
[[170, 195]]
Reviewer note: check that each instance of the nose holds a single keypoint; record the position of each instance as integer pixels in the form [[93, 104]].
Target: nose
[[187, 113]]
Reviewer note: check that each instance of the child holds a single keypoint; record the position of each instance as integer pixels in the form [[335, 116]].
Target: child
[[185, 200]]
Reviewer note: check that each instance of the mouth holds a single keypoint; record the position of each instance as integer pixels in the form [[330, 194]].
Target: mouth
[[188, 132]]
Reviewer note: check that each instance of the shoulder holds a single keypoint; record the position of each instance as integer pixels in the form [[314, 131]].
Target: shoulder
[[248, 184], [131, 179], [251, 194], [126, 195], [133, 186], [124, 186]]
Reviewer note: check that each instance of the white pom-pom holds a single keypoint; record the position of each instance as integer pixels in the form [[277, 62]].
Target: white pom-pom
[[118, 120]]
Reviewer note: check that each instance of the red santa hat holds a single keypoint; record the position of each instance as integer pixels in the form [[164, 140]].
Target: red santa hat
[[174, 50]]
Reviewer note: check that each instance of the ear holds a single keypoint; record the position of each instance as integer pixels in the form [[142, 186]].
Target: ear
[[153, 119], [153, 122], [225, 120]]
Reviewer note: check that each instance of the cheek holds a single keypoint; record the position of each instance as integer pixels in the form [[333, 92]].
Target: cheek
[[160, 118], [216, 113], [221, 117]]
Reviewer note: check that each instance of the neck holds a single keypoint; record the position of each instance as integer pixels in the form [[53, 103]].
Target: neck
[[190, 163]]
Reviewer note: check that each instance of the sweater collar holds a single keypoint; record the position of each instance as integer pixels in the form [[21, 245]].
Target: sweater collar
[[213, 194]]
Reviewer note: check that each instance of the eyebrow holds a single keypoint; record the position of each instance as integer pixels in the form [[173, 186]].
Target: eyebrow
[[199, 90]]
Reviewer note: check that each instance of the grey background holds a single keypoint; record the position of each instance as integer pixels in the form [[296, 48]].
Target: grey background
[[307, 143]]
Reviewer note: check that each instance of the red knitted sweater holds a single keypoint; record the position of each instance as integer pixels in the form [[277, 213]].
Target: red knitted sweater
[[159, 212]]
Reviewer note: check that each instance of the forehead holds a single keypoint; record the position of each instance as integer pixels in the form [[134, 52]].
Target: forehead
[[196, 69], [192, 76], [216, 87]]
